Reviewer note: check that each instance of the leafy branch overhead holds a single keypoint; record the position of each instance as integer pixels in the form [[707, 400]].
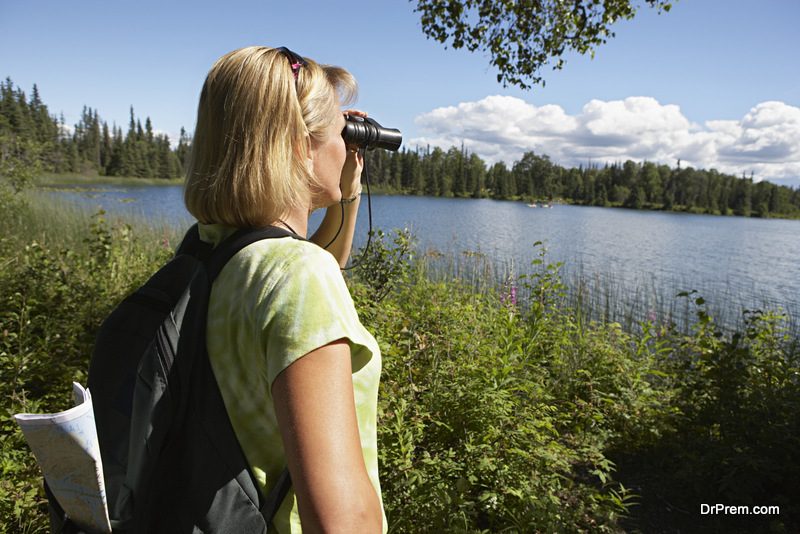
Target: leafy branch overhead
[[522, 36]]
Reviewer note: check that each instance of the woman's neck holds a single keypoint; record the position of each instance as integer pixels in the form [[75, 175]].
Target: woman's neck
[[295, 221]]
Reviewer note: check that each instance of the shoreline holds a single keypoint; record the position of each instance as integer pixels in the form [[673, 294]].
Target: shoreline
[[73, 179]]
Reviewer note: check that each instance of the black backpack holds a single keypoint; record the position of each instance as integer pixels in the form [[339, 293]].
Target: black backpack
[[171, 460]]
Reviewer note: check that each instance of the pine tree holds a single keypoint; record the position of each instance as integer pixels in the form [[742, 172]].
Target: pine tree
[[476, 176], [115, 166], [131, 127], [182, 152], [105, 150], [742, 197]]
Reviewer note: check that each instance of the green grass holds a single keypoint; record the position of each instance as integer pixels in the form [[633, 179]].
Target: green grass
[[52, 221], [73, 179]]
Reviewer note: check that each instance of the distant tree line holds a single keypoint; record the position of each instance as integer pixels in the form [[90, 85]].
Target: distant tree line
[[457, 173], [29, 130]]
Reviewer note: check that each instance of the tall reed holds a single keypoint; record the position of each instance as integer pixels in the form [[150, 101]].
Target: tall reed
[[53, 221], [601, 297]]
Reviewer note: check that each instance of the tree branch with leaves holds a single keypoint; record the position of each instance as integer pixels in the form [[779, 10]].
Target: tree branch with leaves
[[522, 36]]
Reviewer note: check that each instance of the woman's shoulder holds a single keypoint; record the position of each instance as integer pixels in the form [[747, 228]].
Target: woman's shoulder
[[276, 254], [291, 253], [280, 274], [289, 266]]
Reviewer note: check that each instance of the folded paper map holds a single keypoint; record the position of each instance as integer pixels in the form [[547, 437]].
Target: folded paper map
[[66, 447]]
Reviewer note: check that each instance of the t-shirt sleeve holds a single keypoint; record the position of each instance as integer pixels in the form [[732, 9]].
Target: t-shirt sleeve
[[310, 307]]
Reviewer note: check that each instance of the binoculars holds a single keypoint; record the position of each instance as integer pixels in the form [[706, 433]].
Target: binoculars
[[367, 133]]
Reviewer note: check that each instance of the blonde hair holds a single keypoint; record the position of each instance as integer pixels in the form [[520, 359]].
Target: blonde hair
[[248, 165]]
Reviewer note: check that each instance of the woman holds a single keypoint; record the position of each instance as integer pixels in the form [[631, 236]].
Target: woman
[[298, 372]]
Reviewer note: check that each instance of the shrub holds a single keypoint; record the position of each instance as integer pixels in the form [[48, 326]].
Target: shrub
[[495, 417], [499, 410], [52, 299], [735, 435]]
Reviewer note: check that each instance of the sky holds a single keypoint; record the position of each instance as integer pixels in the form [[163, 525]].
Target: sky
[[712, 83]]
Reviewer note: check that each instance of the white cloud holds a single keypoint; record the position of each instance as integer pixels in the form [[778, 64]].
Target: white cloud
[[766, 141], [65, 130], [174, 138]]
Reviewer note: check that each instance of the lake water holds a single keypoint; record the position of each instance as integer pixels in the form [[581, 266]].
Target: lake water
[[631, 263]]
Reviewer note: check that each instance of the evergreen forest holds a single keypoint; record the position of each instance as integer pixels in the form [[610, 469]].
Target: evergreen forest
[[31, 133], [534, 177]]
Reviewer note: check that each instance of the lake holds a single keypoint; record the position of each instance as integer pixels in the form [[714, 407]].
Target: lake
[[629, 263]]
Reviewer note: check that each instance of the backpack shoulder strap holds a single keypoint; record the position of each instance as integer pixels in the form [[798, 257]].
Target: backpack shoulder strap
[[219, 257], [193, 245], [276, 495]]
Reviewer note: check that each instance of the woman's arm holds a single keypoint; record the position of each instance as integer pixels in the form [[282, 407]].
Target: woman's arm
[[315, 408], [343, 244], [350, 185]]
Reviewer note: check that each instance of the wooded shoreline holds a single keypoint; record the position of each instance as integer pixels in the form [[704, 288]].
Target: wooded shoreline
[[91, 147]]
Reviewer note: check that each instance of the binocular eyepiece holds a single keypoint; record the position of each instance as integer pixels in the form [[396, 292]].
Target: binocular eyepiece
[[367, 133]]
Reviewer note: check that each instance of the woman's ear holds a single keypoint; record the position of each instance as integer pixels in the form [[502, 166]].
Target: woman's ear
[[311, 154]]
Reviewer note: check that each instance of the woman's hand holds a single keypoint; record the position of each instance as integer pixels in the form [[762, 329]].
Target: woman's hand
[[350, 182]]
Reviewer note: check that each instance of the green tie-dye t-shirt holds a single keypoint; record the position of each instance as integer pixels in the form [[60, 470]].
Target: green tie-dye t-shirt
[[275, 301]]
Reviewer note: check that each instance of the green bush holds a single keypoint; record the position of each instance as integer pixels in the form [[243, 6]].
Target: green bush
[[496, 416], [734, 433], [500, 409], [52, 299]]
